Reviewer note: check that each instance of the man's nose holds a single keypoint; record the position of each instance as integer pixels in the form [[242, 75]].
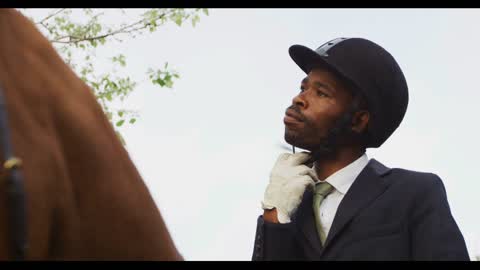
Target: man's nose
[[300, 100]]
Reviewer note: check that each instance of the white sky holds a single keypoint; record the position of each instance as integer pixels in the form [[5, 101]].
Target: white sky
[[206, 147]]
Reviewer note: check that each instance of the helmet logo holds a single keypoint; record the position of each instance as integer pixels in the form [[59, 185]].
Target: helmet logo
[[323, 49]]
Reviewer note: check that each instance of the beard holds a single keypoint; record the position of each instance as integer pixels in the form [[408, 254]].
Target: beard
[[320, 142]]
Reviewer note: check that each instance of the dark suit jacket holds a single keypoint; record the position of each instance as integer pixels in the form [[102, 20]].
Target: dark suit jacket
[[387, 214]]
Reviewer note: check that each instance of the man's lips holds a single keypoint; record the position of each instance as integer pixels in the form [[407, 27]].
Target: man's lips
[[291, 117]]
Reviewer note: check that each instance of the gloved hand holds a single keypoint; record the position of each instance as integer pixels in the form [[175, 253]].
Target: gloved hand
[[289, 179]]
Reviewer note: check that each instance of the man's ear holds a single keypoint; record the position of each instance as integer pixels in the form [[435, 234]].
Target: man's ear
[[360, 121]]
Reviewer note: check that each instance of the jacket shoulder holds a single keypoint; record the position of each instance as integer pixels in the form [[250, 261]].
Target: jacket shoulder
[[410, 177]]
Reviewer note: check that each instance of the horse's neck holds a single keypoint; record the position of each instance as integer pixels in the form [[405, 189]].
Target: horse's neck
[[85, 198]]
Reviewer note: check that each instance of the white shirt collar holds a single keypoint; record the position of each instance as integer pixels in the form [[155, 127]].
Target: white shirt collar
[[342, 179]]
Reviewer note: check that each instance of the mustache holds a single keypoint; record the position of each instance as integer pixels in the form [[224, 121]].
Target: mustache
[[297, 111]]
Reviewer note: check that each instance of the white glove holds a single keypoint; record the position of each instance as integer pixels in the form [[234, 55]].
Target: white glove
[[288, 181]]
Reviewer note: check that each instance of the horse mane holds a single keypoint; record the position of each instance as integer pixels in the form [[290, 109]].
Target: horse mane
[[85, 199]]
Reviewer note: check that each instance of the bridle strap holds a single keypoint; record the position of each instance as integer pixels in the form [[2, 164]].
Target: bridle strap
[[15, 190]]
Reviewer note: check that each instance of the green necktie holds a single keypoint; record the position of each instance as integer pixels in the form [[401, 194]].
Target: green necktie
[[322, 189]]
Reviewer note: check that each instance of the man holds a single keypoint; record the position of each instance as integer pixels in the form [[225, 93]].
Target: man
[[333, 203]]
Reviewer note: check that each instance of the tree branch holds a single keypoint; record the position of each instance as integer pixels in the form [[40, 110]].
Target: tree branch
[[50, 16], [45, 26], [123, 30]]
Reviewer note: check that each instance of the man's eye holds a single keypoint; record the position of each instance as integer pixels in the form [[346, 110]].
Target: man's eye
[[321, 94], [302, 89]]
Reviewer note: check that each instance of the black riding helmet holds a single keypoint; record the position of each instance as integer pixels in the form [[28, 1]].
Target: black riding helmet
[[372, 70]]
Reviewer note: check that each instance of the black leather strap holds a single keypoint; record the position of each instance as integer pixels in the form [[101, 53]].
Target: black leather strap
[[15, 190]]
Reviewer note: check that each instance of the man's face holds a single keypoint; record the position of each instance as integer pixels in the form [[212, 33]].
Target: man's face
[[314, 111]]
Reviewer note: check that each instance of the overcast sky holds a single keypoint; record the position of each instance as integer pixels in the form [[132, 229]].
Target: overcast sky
[[206, 147]]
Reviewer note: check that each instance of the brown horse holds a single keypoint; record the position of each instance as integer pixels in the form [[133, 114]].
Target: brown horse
[[85, 200]]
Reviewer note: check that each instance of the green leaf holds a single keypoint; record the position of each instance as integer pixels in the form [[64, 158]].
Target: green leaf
[[168, 80], [119, 59], [59, 20], [195, 19], [178, 19], [93, 43], [120, 123], [160, 82], [132, 120], [120, 113]]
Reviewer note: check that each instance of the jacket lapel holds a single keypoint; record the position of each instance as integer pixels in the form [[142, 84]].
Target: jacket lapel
[[305, 221], [364, 190]]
